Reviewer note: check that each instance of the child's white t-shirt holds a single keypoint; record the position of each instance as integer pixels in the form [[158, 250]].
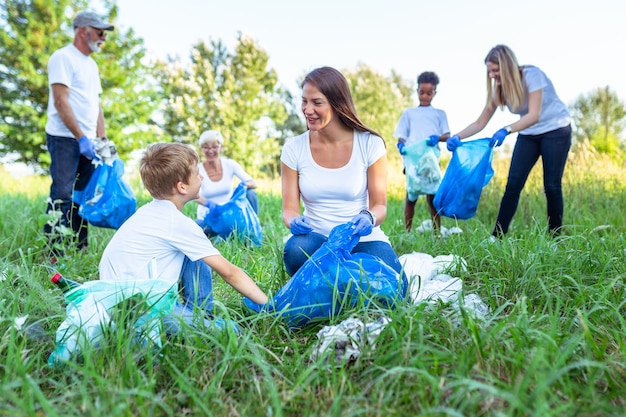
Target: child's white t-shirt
[[157, 230]]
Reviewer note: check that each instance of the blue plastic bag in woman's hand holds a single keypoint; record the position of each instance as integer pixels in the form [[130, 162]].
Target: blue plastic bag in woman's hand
[[236, 217], [332, 279], [468, 172]]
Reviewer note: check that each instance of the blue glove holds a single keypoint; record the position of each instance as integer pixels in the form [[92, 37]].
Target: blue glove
[[87, 148], [210, 205], [453, 142], [401, 148], [432, 140], [498, 137], [362, 224], [300, 226]]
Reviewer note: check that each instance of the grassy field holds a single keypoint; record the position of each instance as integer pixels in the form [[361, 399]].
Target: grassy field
[[554, 343]]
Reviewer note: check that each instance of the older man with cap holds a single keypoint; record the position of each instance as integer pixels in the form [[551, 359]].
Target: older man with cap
[[74, 118]]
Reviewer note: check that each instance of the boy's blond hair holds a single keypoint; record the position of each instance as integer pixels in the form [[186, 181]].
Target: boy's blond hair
[[164, 165]]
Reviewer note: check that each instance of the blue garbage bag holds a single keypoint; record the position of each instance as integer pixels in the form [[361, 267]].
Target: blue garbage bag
[[421, 168], [107, 200], [236, 217], [333, 279], [467, 174]]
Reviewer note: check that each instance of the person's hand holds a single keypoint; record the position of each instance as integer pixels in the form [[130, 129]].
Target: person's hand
[[362, 224], [498, 137], [432, 140], [401, 148], [210, 204], [300, 226], [453, 142], [87, 148]]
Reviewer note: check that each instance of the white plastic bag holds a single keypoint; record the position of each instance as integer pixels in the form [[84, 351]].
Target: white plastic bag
[[89, 310]]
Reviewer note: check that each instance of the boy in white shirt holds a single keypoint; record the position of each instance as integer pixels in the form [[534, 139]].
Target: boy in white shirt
[[418, 123], [161, 239]]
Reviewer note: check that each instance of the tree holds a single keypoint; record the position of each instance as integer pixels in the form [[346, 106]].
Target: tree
[[294, 125], [600, 117], [235, 93], [379, 100], [32, 31]]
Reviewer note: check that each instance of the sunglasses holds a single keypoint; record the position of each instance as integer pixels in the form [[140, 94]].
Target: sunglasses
[[99, 32]]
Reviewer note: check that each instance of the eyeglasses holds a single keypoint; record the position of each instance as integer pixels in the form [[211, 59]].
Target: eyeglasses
[[99, 32]]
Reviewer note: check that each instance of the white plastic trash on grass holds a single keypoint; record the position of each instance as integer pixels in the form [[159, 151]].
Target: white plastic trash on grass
[[427, 227], [348, 338], [430, 281]]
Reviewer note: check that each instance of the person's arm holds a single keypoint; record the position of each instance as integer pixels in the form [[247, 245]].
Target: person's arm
[[241, 173], [481, 122], [535, 101], [251, 184], [377, 189], [290, 193], [100, 129], [236, 278], [61, 94]]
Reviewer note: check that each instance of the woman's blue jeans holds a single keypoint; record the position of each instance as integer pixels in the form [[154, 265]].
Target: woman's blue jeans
[[299, 248], [69, 171], [553, 148]]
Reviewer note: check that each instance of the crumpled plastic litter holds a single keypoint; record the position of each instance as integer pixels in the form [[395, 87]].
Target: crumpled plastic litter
[[347, 338], [105, 149], [427, 226], [430, 281], [107, 152]]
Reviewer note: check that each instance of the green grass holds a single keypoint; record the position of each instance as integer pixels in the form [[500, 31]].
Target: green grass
[[553, 345]]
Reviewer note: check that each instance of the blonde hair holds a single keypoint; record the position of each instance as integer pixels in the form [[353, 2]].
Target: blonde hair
[[210, 136], [164, 165], [510, 91]]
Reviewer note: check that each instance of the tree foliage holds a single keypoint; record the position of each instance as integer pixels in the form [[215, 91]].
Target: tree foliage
[[380, 101], [32, 31], [233, 92], [600, 117]]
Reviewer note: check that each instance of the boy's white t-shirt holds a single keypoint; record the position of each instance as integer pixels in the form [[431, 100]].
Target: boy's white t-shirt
[[333, 196], [157, 230], [421, 122]]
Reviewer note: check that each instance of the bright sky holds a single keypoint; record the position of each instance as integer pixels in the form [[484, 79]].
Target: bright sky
[[578, 43]]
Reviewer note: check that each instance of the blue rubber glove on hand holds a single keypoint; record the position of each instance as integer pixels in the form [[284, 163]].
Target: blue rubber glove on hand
[[432, 140], [401, 148], [498, 137], [87, 148], [453, 142], [362, 224], [300, 226], [210, 204]]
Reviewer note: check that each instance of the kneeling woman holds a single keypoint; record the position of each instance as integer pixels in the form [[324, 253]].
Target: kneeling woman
[[339, 170], [218, 173]]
